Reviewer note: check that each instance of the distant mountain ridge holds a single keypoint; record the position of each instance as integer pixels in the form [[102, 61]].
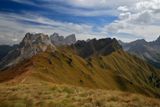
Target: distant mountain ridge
[[149, 51], [96, 47], [56, 39]]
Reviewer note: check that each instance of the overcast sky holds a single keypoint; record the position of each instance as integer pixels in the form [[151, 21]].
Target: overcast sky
[[127, 20]]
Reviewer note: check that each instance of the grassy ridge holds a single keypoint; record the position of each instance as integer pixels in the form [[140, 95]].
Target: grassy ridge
[[117, 71], [54, 80]]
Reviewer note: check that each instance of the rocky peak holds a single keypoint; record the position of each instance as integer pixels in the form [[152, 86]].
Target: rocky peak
[[31, 45], [35, 39], [156, 43], [56, 39], [61, 40], [158, 39], [139, 42], [55, 34], [71, 39], [101, 47], [34, 43]]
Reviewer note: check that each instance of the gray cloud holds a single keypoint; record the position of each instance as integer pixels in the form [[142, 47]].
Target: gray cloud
[[14, 26], [136, 18], [139, 19]]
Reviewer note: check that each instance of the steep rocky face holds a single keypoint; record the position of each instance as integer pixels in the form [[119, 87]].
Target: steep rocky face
[[91, 47], [149, 51], [61, 40], [71, 39], [56, 39], [135, 44], [158, 39], [31, 45], [4, 49], [155, 44]]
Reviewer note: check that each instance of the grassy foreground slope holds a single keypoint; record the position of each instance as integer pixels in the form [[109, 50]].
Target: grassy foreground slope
[[43, 94], [117, 71]]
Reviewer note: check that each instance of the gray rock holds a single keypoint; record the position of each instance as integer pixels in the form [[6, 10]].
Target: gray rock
[[31, 45], [71, 39], [91, 47], [56, 39], [61, 40], [149, 51]]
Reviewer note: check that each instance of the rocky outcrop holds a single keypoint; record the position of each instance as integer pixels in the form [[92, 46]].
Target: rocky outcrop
[[56, 39], [61, 40], [31, 45], [158, 39], [99, 47], [71, 39]]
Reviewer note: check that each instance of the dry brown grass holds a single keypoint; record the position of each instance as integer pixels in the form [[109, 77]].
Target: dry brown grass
[[34, 84], [42, 94], [117, 71]]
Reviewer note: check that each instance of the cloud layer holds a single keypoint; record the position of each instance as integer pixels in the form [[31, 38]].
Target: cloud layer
[[136, 19], [141, 19], [14, 26]]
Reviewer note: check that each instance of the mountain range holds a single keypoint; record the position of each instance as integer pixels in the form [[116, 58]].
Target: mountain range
[[148, 51], [56, 39], [41, 63]]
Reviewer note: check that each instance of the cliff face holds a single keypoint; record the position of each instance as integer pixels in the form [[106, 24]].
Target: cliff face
[[100, 47], [148, 51], [61, 40], [4, 49], [31, 45]]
